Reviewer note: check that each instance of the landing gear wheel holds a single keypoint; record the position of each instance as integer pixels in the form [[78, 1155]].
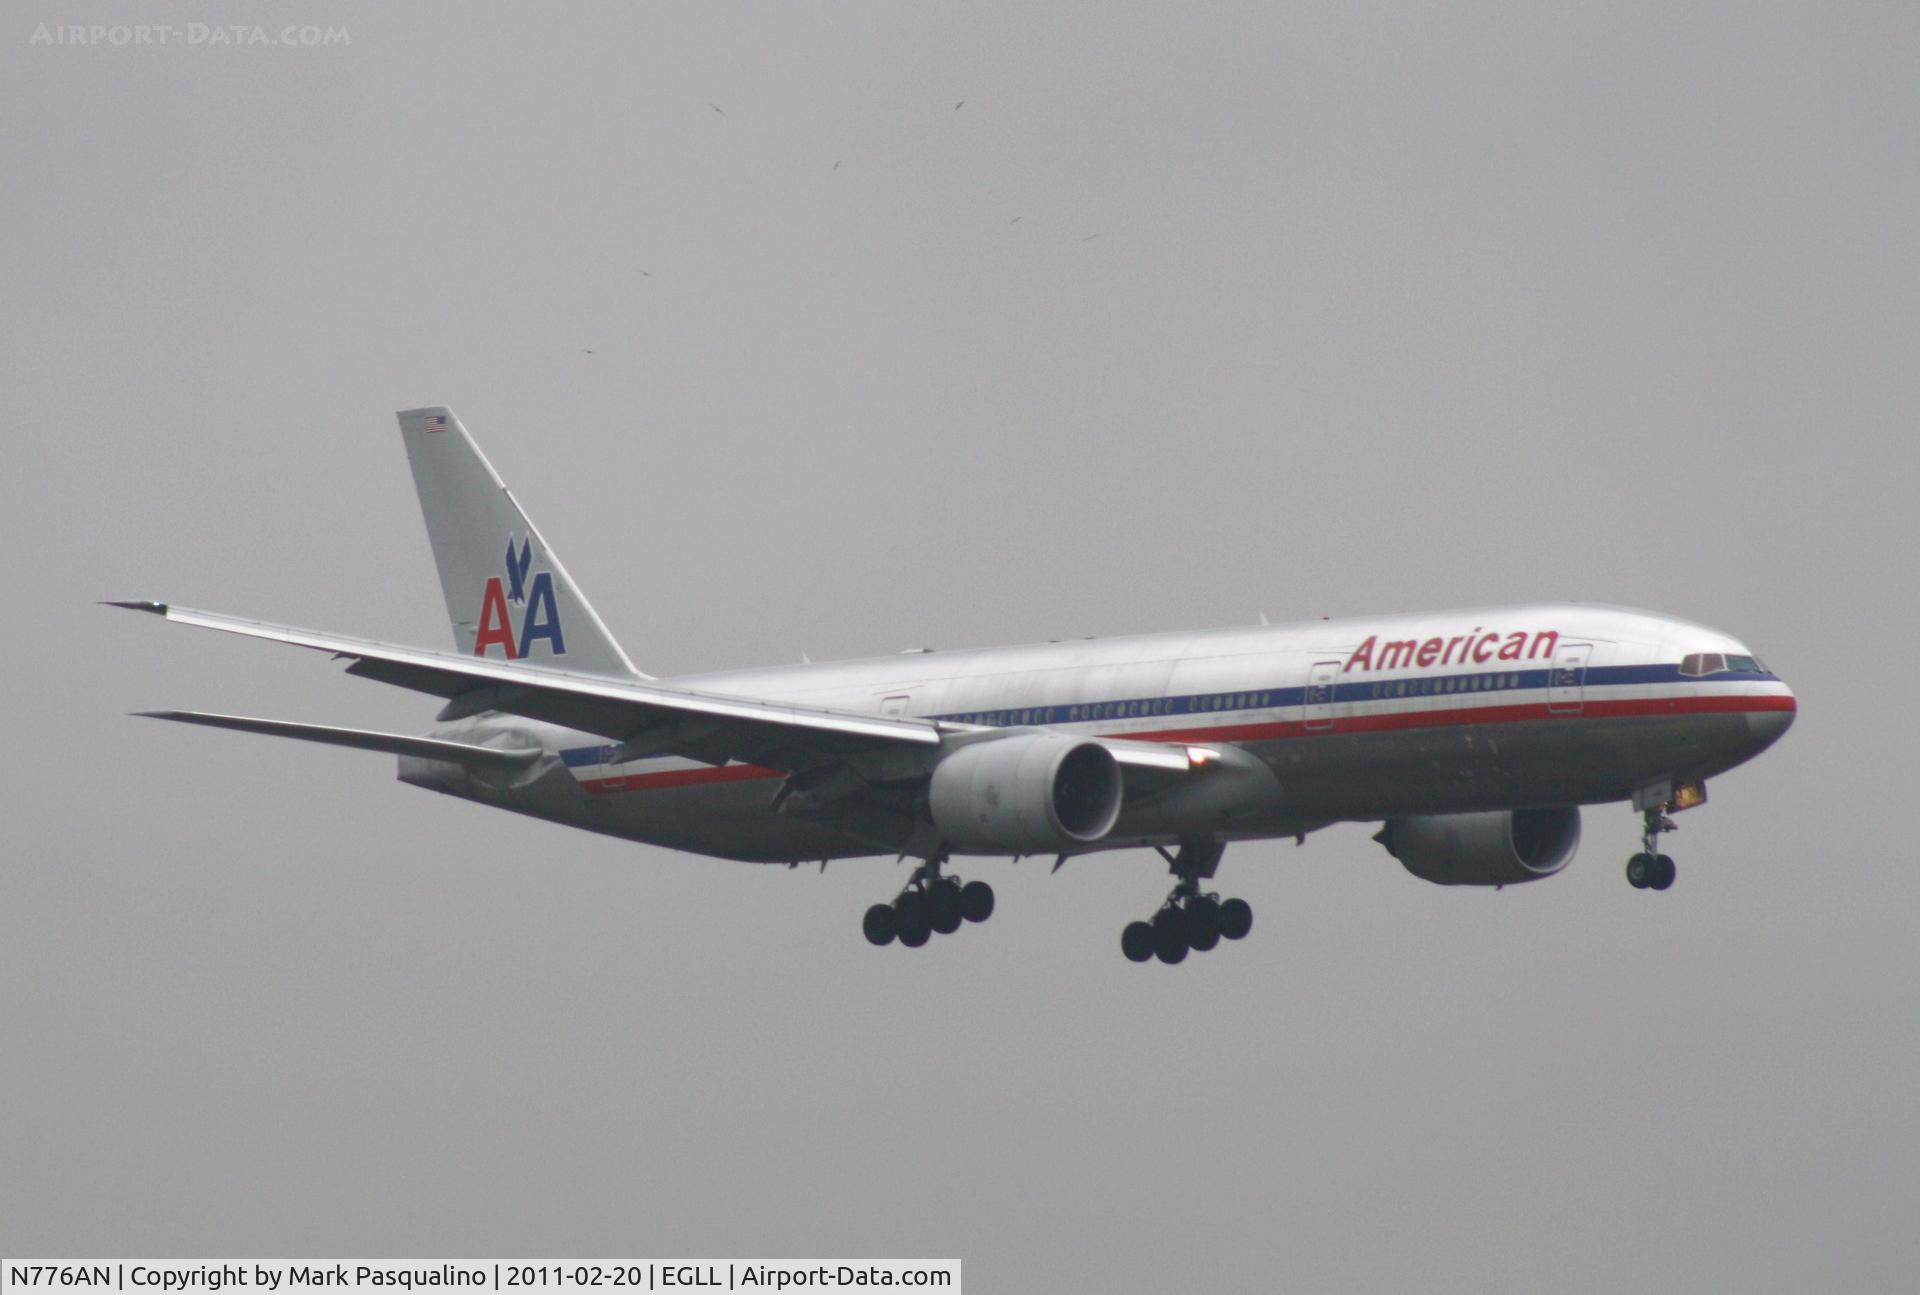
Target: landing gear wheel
[[1188, 921], [1202, 917], [1639, 870], [976, 901], [1662, 873], [912, 921], [1649, 869], [879, 924], [944, 901], [1169, 936]]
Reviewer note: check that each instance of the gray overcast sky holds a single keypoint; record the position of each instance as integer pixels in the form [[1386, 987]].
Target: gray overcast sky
[[1186, 315]]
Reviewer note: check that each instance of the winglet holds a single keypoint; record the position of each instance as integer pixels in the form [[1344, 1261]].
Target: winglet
[[145, 605]]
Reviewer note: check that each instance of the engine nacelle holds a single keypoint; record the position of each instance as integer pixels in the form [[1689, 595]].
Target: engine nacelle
[[1026, 794], [1497, 848]]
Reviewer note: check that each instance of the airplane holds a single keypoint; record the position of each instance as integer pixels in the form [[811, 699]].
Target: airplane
[[1473, 737]]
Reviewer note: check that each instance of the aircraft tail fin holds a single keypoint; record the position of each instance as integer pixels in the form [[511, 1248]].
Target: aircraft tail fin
[[507, 594]]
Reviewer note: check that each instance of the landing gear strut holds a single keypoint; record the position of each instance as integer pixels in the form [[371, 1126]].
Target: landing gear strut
[[929, 905], [1649, 869], [1189, 920]]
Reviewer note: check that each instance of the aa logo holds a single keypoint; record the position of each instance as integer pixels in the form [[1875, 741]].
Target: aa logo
[[539, 619]]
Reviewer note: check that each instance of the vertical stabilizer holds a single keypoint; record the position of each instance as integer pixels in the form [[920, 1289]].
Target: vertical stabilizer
[[508, 596]]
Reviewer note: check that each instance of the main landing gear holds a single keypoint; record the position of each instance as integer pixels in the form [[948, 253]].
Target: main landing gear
[[1189, 919], [1649, 869], [930, 905]]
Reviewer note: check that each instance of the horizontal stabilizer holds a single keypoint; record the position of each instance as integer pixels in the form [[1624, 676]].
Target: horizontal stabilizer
[[476, 757]]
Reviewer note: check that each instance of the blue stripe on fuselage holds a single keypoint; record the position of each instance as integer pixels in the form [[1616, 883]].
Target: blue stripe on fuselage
[[1474, 684]]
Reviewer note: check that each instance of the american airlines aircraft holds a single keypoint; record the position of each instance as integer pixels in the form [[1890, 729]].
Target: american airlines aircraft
[[1473, 737]]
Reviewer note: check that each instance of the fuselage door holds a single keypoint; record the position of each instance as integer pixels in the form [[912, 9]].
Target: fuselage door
[[1319, 700], [1566, 683]]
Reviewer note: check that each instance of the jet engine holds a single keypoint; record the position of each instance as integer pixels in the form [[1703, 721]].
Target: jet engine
[[1026, 794], [1497, 848]]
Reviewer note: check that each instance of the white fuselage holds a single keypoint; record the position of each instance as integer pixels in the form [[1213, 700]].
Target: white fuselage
[[1360, 719]]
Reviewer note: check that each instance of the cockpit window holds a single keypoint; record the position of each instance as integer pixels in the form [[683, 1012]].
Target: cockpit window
[[1695, 664], [1699, 663]]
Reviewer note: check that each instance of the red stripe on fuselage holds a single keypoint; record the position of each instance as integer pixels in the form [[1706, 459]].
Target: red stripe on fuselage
[[1392, 721], [678, 778], [1272, 730]]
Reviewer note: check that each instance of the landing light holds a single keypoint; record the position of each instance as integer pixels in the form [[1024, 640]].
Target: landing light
[[1688, 794], [1199, 757]]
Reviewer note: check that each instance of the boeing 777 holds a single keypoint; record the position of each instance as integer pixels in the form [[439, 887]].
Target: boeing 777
[[1472, 737]]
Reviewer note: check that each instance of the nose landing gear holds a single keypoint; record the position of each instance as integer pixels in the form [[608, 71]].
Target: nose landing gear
[[1189, 920], [1649, 869], [929, 905]]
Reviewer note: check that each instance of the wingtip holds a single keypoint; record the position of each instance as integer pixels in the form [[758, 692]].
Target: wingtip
[[138, 605]]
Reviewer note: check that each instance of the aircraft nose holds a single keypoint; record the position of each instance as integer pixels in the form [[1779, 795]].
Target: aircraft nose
[[1768, 725]]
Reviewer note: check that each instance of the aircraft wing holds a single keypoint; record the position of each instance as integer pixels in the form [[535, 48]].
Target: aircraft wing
[[649, 717], [652, 718]]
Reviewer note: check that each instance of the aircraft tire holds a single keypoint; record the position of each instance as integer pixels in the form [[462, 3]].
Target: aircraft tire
[[1236, 919], [1663, 872], [1169, 935], [1639, 868], [879, 925], [1203, 924], [943, 905], [912, 921], [1137, 942], [976, 901]]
